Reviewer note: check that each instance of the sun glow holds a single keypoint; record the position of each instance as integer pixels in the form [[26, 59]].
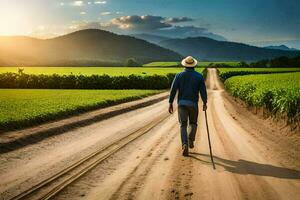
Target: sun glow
[[14, 20]]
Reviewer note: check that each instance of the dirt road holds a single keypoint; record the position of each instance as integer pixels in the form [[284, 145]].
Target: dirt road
[[254, 159]]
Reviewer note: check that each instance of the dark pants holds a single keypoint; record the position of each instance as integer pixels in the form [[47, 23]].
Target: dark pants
[[185, 114]]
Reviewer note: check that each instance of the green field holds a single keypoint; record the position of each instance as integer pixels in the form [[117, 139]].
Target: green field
[[226, 73], [24, 107], [111, 71], [277, 92], [176, 64]]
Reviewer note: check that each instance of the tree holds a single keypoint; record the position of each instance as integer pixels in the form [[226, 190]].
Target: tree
[[243, 64], [132, 62]]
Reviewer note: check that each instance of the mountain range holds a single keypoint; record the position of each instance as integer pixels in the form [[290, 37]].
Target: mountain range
[[281, 47], [94, 47], [155, 39], [85, 47], [212, 50]]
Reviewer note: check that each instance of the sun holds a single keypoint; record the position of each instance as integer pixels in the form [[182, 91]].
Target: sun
[[13, 20]]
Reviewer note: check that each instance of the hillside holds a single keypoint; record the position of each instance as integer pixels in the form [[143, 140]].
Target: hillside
[[85, 47], [156, 39], [213, 50], [281, 47]]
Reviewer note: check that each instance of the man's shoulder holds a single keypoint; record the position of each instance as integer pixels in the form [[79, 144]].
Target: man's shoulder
[[194, 73]]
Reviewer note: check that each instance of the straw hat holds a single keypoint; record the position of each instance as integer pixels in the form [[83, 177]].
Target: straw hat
[[189, 62]]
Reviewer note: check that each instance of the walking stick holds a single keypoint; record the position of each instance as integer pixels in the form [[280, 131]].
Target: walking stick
[[211, 156]]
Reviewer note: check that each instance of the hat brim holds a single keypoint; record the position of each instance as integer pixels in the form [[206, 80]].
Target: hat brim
[[194, 64]]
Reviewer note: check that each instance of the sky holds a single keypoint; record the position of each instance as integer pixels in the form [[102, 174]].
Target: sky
[[257, 22]]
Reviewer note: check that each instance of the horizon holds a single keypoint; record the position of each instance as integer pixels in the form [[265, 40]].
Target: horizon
[[227, 20]]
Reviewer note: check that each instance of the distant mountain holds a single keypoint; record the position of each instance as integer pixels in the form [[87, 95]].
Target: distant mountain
[[150, 38], [208, 49], [281, 47], [83, 47]]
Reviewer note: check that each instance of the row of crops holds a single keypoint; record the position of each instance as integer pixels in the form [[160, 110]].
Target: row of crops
[[33, 95], [21, 108], [31, 81], [102, 78], [226, 73], [200, 64], [88, 71], [278, 92]]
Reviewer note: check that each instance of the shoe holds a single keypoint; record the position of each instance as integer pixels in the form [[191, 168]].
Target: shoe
[[191, 144], [185, 150]]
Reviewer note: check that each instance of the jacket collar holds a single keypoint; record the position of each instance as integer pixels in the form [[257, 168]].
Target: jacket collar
[[189, 69]]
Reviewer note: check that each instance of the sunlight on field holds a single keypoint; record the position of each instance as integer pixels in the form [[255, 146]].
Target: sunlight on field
[[226, 73], [278, 92], [112, 71], [19, 107], [176, 64]]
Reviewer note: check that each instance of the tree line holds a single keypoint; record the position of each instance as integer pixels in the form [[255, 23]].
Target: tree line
[[55, 81], [282, 61]]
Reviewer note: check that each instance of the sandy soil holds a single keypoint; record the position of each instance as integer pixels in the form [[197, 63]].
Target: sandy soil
[[254, 160]]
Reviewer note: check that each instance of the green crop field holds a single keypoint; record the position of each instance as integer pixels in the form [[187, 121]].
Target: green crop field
[[277, 92], [226, 73], [111, 71], [162, 64], [176, 64], [24, 107]]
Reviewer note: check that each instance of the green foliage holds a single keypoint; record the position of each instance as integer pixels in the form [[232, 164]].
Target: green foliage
[[111, 71], [282, 61], [162, 64], [20, 108], [204, 73], [132, 62], [13, 80], [277, 92], [200, 64], [226, 73]]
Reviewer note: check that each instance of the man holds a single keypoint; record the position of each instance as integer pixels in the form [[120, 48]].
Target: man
[[189, 84]]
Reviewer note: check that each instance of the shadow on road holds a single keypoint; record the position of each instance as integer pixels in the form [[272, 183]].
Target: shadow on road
[[248, 167]]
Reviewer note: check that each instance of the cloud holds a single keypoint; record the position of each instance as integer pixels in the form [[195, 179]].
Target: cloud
[[99, 2], [140, 23], [178, 19], [146, 22], [77, 3], [85, 25], [105, 13], [157, 25]]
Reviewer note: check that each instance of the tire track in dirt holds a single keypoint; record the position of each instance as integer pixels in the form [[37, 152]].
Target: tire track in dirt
[[130, 187], [127, 176]]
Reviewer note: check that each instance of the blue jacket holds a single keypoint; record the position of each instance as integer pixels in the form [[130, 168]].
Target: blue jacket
[[189, 84]]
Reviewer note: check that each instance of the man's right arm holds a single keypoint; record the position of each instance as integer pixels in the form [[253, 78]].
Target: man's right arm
[[203, 93]]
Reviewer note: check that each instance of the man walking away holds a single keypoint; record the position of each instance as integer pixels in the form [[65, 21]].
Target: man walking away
[[189, 84]]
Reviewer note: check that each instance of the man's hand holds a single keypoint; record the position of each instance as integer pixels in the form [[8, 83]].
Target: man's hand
[[170, 108], [204, 107]]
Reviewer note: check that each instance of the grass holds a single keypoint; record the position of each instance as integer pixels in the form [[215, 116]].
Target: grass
[[25, 107], [162, 64], [111, 71], [277, 92], [176, 64], [226, 73]]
